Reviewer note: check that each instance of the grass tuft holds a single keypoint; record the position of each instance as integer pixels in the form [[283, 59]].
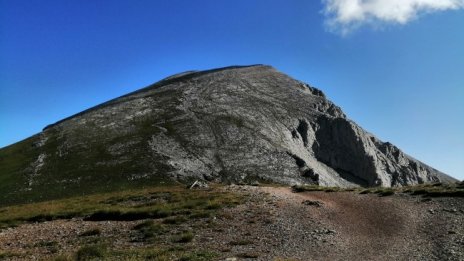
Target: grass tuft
[[198, 256], [385, 192], [426, 190], [436, 190], [91, 232], [304, 188], [93, 252], [184, 237], [149, 230], [8, 255], [175, 220]]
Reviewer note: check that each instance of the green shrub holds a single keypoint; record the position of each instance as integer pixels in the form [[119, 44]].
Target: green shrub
[[174, 220], [213, 205], [91, 232], [386, 192], [90, 253], [198, 256], [184, 237], [248, 255], [200, 214], [46, 244], [303, 188], [118, 215], [149, 230], [61, 258], [144, 225], [7, 255]]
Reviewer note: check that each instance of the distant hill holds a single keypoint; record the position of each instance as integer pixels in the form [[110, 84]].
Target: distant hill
[[235, 124]]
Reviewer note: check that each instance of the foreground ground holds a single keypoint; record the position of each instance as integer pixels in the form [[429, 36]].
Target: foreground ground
[[236, 223]]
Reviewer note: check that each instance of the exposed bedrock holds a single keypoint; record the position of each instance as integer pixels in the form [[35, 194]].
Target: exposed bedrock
[[228, 125]]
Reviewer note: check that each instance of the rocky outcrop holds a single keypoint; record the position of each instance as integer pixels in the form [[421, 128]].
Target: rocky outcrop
[[228, 125]]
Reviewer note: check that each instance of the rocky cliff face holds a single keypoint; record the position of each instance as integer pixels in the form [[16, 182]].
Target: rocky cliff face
[[231, 124]]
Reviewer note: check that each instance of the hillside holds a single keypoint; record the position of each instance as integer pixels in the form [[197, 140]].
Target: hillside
[[231, 125]]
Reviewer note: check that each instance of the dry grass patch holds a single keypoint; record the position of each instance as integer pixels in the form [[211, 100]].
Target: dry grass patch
[[176, 203], [426, 190]]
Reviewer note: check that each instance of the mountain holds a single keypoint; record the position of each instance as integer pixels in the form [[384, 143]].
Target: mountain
[[234, 124]]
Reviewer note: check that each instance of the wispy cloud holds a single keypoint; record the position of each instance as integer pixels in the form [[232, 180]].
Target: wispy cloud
[[344, 16]]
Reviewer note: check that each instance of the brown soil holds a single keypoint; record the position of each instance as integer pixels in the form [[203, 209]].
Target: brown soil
[[276, 224], [348, 226]]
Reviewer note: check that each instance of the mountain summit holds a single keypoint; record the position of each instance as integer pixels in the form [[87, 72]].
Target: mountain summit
[[234, 124]]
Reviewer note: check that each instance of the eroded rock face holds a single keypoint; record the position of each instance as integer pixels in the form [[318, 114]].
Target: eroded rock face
[[232, 124]]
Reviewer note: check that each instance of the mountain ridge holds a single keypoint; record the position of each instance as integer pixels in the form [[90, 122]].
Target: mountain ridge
[[231, 124], [165, 81]]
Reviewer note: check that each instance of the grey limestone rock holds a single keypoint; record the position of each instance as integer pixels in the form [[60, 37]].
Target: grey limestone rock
[[232, 124]]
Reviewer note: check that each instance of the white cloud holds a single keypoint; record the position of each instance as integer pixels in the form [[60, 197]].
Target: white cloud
[[343, 16]]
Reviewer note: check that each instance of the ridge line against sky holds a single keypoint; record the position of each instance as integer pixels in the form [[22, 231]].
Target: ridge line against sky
[[393, 66]]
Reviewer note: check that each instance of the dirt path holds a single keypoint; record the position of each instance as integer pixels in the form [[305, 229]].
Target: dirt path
[[366, 226], [347, 226], [276, 224]]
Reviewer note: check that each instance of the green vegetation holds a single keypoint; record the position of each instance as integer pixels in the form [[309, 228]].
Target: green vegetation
[[51, 246], [436, 190], [93, 252], [303, 188], [98, 252], [175, 220], [386, 192], [198, 256], [426, 190], [149, 230], [91, 232], [176, 204], [8, 255], [381, 192], [184, 237], [81, 161], [12, 161], [166, 235], [162, 254], [248, 255], [62, 258]]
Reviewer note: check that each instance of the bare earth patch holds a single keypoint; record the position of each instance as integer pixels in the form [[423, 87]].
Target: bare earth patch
[[346, 226], [275, 224]]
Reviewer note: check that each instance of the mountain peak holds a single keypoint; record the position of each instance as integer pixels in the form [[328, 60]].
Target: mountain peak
[[232, 124]]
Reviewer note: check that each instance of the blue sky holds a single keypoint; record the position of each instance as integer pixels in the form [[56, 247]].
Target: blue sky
[[396, 67]]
